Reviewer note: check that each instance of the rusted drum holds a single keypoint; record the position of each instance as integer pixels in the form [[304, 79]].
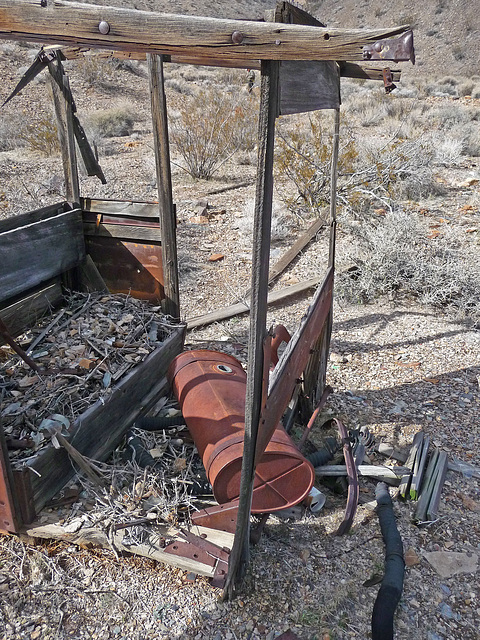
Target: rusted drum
[[210, 388]]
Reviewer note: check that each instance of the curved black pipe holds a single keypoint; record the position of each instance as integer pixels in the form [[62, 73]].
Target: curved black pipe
[[392, 583], [325, 454]]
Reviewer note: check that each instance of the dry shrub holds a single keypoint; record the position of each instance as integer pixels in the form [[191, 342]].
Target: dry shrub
[[95, 71], [41, 136], [111, 123], [303, 155], [210, 127], [397, 255]]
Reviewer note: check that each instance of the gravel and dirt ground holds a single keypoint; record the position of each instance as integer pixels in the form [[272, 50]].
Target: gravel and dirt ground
[[396, 367]]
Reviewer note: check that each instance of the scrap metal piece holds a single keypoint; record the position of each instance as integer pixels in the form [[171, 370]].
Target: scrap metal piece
[[388, 80], [188, 550], [353, 488], [397, 49], [222, 517]]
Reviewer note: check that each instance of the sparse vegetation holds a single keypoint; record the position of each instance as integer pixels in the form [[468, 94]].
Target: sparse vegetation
[[41, 136], [398, 254], [111, 123], [210, 127]]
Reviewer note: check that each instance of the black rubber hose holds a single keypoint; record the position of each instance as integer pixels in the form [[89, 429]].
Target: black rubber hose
[[392, 584], [325, 454], [158, 423], [137, 452]]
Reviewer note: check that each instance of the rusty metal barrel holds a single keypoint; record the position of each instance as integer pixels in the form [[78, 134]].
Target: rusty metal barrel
[[210, 388]]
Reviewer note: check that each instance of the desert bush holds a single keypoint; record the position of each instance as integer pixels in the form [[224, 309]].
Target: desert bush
[[95, 71], [440, 90], [465, 88], [397, 255], [109, 123], [303, 155], [41, 136], [209, 128], [11, 127]]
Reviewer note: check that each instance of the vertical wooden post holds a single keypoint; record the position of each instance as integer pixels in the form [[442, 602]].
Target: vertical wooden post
[[164, 185], [258, 317], [66, 136]]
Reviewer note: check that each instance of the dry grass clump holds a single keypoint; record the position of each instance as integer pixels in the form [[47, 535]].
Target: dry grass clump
[[211, 127], [111, 123], [396, 254]]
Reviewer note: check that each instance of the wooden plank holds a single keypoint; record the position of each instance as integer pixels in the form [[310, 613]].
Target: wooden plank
[[168, 232], [258, 317], [242, 307], [123, 232], [25, 312], [436, 493], [419, 468], [308, 85], [24, 219], [414, 451], [353, 70], [293, 361], [366, 470], [121, 208], [64, 111], [73, 53], [93, 536], [39, 251], [68, 23], [299, 245], [100, 429]]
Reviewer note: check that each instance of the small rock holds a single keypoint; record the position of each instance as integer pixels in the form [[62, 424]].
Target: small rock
[[449, 563]]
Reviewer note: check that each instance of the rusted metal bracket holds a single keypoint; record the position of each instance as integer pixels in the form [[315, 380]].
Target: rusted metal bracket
[[353, 488], [388, 80], [397, 49], [222, 517], [202, 550]]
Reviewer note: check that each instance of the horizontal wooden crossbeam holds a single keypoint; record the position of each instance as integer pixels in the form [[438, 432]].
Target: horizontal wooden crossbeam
[[63, 22]]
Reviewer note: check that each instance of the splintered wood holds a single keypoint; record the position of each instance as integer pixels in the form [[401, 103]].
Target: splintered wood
[[84, 349]]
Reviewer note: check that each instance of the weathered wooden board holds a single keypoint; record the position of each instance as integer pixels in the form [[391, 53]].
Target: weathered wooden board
[[25, 312], [243, 307], [25, 219], [48, 528], [124, 232], [308, 85], [130, 30], [352, 70], [36, 252], [121, 208], [293, 362], [100, 429]]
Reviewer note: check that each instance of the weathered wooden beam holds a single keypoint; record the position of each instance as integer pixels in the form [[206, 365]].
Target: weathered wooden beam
[[62, 22], [262, 226], [166, 209], [64, 112], [243, 307], [352, 70]]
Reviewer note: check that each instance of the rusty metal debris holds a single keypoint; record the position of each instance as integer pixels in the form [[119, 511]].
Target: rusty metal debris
[[353, 488], [397, 49], [388, 80]]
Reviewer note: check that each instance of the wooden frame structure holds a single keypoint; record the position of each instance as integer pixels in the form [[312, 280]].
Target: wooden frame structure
[[301, 62]]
